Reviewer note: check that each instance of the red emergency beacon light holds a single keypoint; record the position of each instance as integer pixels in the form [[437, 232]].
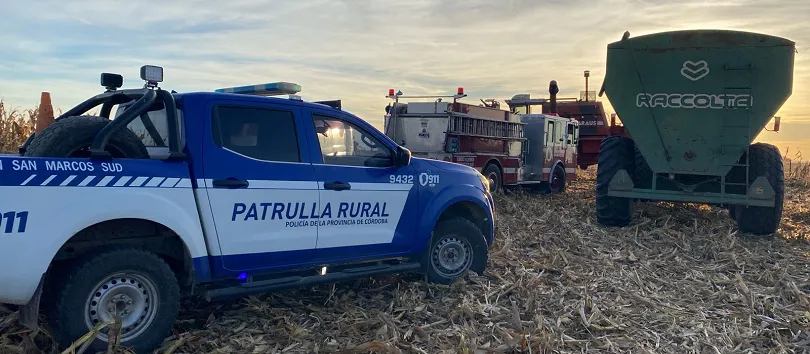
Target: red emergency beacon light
[[460, 91]]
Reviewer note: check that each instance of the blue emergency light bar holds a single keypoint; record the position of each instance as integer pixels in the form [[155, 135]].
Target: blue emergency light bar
[[269, 89]]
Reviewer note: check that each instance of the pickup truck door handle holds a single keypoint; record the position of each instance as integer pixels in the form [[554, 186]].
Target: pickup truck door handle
[[230, 183], [337, 186]]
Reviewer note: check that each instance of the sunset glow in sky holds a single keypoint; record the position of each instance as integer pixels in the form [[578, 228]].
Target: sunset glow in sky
[[355, 50]]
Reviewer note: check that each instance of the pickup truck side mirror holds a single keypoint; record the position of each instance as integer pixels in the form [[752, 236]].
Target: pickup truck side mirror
[[402, 157]]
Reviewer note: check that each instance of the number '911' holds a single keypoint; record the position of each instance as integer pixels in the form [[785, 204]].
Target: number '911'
[[9, 219]]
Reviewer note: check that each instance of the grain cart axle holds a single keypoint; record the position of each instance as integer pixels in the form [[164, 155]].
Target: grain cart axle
[[693, 102]]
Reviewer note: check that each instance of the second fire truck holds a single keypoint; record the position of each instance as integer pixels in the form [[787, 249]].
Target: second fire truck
[[538, 151]]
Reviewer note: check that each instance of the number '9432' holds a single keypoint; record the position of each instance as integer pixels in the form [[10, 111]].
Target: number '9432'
[[400, 178]]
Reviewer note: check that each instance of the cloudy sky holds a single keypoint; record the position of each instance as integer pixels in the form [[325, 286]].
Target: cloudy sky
[[355, 50]]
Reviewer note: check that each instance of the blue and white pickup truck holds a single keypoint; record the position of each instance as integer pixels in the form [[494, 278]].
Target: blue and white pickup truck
[[221, 194]]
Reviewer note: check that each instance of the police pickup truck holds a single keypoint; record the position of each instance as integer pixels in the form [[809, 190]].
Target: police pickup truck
[[220, 194]]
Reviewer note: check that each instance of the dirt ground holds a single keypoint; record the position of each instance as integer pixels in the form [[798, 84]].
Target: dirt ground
[[680, 279]]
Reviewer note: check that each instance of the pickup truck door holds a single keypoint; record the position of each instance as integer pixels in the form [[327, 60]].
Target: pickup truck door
[[373, 204], [261, 186]]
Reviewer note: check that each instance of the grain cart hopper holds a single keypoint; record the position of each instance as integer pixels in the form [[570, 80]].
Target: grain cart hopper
[[693, 102]]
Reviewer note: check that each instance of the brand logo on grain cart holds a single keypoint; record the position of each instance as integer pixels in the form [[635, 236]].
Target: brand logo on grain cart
[[695, 70], [693, 100]]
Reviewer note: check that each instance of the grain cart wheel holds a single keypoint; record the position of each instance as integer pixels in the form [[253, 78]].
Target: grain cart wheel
[[557, 184], [732, 212], [72, 137], [136, 285], [764, 160], [493, 173], [457, 246], [615, 153]]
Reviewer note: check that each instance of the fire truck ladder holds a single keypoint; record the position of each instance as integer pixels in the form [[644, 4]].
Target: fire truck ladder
[[467, 125]]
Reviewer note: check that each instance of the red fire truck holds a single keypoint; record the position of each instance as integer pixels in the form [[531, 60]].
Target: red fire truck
[[538, 151], [586, 110]]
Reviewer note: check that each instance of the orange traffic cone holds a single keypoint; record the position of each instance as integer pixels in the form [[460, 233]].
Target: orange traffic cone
[[45, 113]]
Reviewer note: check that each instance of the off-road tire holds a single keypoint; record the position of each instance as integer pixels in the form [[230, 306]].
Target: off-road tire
[[71, 293], [732, 211], [559, 170], [455, 230], [72, 137], [615, 153], [493, 172], [764, 160]]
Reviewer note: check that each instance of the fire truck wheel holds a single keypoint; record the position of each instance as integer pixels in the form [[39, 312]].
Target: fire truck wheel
[[493, 173], [72, 137], [615, 153], [557, 184]]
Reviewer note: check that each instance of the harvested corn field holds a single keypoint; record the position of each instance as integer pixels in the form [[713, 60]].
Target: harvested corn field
[[679, 280]]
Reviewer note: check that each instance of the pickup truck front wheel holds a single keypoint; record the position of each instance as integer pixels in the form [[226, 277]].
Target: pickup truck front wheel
[[457, 246], [135, 285]]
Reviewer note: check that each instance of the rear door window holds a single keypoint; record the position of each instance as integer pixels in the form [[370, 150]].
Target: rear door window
[[259, 133]]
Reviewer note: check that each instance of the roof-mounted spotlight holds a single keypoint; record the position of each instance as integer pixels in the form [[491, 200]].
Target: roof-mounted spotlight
[[111, 81], [152, 75]]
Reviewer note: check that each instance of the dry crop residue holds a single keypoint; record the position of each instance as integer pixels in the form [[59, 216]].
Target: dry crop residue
[[679, 280]]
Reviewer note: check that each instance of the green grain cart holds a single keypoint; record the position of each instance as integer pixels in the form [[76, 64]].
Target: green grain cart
[[693, 102]]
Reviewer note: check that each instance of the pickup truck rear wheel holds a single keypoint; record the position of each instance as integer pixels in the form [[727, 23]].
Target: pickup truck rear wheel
[[135, 285], [72, 137], [456, 247]]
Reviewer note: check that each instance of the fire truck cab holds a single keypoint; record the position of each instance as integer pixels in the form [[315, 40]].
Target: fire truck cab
[[538, 151], [589, 112]]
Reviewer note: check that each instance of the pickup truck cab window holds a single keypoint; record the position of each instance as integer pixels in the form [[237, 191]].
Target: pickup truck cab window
[[345, 144], [259, 133]]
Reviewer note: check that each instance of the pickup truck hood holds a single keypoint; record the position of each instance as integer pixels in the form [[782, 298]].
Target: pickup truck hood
[[447, 166]]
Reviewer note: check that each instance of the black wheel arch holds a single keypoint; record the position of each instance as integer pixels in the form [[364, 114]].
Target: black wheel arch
[[128, 232], [467, 210]]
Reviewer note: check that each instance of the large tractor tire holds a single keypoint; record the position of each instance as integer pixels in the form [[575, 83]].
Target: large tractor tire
[[764, 160], [72, 137], [615, 153]]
